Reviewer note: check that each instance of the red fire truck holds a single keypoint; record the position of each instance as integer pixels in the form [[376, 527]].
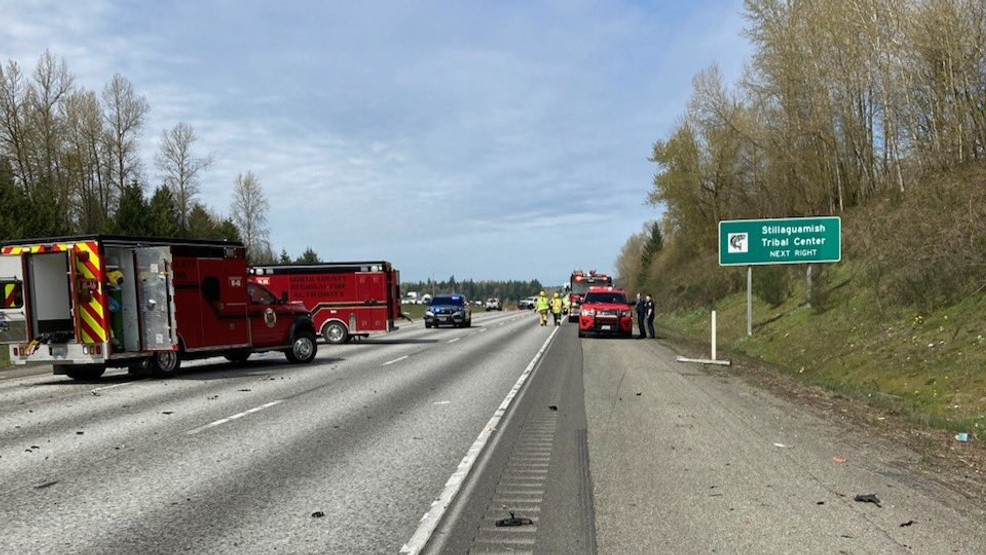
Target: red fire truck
[[579, 284], [87, 302], [345, 299]]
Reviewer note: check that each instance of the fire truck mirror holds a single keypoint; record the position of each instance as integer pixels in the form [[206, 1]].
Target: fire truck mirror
[[210, 288]]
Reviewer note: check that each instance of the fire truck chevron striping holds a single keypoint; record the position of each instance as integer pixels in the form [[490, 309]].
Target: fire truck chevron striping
[[89, 285]]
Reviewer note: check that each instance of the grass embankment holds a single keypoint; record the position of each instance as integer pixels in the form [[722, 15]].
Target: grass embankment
[[929, 367]]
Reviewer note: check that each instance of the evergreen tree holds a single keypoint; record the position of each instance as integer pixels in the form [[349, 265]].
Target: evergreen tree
[[308, 257], [162, 216], [131, 213], [284, 257]]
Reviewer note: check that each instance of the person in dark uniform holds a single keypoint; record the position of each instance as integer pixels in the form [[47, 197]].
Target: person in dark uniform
[[641, 314], [649, 311]]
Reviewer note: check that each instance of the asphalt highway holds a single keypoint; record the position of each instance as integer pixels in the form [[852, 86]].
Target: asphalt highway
[[341, 456], [422, 441]]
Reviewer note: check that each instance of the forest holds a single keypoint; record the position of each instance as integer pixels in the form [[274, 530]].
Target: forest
[[874, 110]]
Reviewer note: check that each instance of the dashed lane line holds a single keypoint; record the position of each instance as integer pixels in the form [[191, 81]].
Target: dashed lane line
[[398, 359], [234, 417]]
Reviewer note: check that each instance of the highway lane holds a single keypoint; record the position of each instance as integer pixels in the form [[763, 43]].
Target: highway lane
[[344, 455]]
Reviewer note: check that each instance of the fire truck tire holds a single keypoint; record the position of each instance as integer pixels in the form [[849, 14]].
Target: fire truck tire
[[303, 348], [238, 356], [164, 364], [335, 333], [85, 372]]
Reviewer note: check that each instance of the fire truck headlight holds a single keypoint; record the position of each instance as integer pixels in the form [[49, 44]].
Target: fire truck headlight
[[587, 312]]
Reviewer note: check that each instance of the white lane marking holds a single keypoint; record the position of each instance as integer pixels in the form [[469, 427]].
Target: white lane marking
[[395, 360], [481, 330], [454, 339], [104, 388], [234, 417], [441, 402], [441, 503]]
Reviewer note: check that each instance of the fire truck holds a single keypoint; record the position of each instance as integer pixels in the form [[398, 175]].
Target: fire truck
[[579, 284], [345, 299], [85, 303]]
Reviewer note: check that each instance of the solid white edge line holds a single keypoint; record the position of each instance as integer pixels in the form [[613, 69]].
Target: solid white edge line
[[454, 339], [434, 515], [104, 388], [233, 417], [395, 360]]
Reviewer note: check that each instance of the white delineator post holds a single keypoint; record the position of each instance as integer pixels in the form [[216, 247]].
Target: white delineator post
[[712, 360]]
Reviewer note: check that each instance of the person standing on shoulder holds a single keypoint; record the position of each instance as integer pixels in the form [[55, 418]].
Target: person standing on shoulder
[[641, 314], [556, 304], [542, 308], [649, 310]]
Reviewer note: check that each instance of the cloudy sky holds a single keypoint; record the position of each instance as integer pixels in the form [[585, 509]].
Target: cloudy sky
[[502, 139]]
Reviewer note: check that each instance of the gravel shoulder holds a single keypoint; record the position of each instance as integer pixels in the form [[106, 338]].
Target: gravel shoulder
[[686, 458]]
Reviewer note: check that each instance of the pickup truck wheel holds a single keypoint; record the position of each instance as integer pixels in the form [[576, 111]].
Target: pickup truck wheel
[[165, 364], [335, 333], [303, 348], [85, 372]]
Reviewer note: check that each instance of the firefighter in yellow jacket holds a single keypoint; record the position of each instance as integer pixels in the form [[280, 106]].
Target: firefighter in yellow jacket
[[542, 306], [556, 306]]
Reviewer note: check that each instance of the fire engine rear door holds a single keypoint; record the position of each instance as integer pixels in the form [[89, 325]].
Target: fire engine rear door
[[156, 298], [13, 321]]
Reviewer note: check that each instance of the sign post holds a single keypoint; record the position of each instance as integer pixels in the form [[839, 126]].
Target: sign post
[[778, 241]]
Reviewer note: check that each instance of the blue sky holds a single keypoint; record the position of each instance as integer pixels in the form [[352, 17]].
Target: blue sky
[[480, 139]]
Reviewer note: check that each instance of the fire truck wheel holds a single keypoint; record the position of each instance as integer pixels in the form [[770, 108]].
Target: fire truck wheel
[[85, 372], [164, 364], [238, 356], [303, 349], [335, 333]]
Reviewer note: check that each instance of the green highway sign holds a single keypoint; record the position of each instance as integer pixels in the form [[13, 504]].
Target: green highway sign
[[780, 241]]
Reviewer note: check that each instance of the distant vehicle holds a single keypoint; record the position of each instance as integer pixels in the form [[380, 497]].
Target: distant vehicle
[[346, 299], [527, 303], [410, 298], [425, 299], [580, 282], [494, 303], [605, 310], [453, 310]]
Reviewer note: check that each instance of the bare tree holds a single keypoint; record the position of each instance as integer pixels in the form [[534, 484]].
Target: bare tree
[[181, 168], [249, 212], [85, 157], [125, 113], [15, 129]]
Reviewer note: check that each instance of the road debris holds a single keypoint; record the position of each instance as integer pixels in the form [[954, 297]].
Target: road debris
[[50, 483], [514, 521], [839, 460], [963, 437], [552, 407], [908, 523], [868, 498], [318, 514], [780, 445]]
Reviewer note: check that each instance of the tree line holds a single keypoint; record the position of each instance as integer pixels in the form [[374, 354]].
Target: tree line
[[842, 103], [70, 164], [476, 290]]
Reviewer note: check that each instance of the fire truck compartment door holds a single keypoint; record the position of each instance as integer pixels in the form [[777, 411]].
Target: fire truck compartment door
[[156, 299], [13, 320]]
